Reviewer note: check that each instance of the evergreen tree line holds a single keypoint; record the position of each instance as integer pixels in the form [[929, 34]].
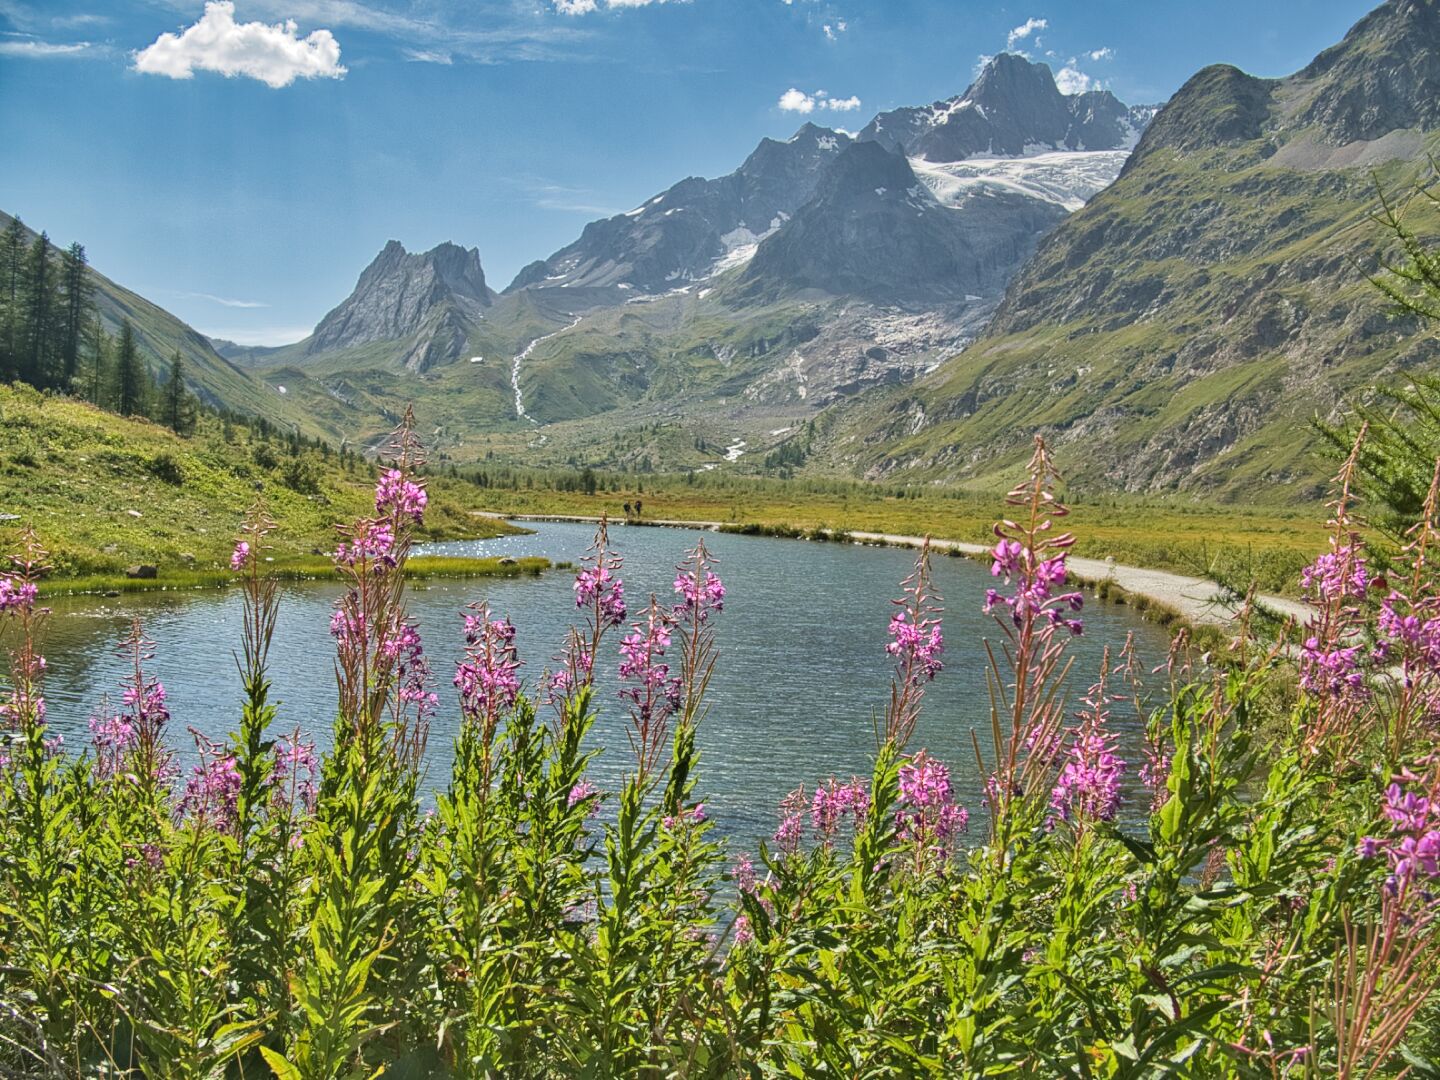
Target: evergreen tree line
[[52, 338]]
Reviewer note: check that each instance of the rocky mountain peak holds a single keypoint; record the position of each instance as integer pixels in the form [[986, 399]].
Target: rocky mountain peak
[[1384, 75], [1013, 109], [399, 295]]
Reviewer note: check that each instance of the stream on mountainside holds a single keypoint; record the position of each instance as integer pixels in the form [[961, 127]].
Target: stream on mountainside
[[802, 667]]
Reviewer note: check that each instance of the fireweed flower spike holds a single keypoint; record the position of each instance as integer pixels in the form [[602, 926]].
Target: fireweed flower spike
[[600, 594], [380, 665], [653, 693], [488, 675], [23, 707], [916, 644], [1036, 617], [701, 595], [1088, 788], [927, 814], [1332, 653]]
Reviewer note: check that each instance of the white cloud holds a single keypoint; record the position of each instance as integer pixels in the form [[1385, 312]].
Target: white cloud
[[793, 100], [798, 101], [274, 54], [222, 300], [1023, 31], [981, 61], [585, 7], [1070, 80], [1103, 53], [428, 56], [43, 50], [833, 31]]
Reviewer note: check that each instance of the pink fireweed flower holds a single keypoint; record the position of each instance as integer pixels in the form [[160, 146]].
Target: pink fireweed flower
[[1334, 673], [240, 557], [600, 587], [1088, 787], [698, 598], [16, 594], [487, 677], [396, 493], [585, 792], [927, 814], [292, 780], [212, 793], [655, 693], [1340, 574], [695, 815], [371, 542], [405, 652], [791, 829], [834, 801], [1036, 587], [1412, 846], [918, 645]]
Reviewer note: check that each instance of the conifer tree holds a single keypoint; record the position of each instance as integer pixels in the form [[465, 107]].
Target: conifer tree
[[39, 314], [12, 276], [179, 414], [101, 377], [76, 293], [129, 373]]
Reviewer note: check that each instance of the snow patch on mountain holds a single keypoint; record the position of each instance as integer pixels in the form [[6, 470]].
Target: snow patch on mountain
[[1067, 178]]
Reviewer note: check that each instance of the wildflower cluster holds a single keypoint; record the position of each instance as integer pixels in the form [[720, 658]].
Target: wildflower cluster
[[698, 598], [16, 594], [1088, 788], [399, 494], [833, 802], [1412, 846], [488, 677], [1038, 582], [600, 587], [927, 813], [212, 793]]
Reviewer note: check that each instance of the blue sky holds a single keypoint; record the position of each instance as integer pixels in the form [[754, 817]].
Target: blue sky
[[248, 203]]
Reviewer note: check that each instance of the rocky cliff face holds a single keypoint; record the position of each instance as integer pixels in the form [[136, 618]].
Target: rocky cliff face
[[875, 232], [432, 298]]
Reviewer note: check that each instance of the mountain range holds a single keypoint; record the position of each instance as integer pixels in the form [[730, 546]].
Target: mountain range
[[1170, 293]]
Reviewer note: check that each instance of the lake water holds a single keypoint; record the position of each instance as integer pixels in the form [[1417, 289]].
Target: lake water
[[801, 674]]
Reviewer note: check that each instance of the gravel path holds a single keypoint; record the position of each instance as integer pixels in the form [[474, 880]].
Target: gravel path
[[1197, 600]]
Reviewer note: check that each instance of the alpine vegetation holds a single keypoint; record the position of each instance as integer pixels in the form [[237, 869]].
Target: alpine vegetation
[[1254, 894]]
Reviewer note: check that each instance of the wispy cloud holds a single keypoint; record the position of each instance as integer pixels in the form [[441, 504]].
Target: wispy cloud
[[798, 101], [428, 56], [44, 50], [274, 54], [1023, 31], [1102, 53], [223, 301], [834, 30], [545, 194], [586, 7]]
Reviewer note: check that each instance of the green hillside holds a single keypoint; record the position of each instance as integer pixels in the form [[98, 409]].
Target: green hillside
[[105, 492]]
